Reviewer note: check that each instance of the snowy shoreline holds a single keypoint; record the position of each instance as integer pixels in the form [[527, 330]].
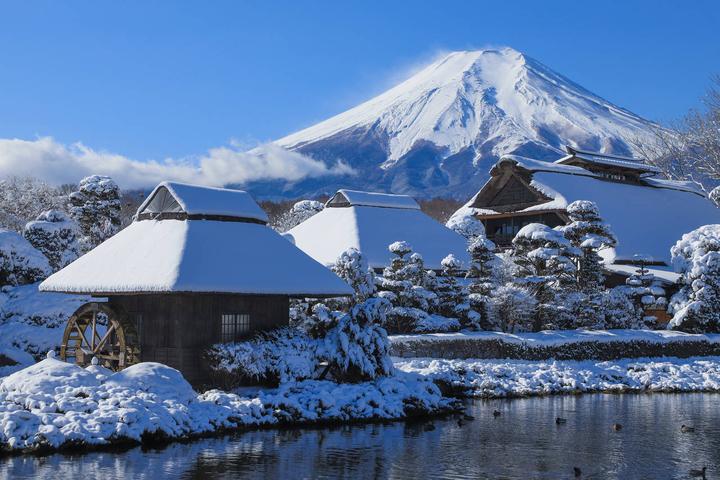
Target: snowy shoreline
[[482, 378], [54, 406]]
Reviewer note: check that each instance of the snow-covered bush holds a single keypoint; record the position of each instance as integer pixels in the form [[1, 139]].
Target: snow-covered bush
[[696, 256], [23, 199], [95, 206], [355, 345], [277, 356], [352, 267], [55, 235], [464, 223], [512, 309], [618, 308], [20, 262]]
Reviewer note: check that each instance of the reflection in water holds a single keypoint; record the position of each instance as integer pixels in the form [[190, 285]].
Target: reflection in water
[[524, 442]]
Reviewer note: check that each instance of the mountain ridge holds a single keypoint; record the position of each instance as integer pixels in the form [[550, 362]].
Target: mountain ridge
[[438, 132]]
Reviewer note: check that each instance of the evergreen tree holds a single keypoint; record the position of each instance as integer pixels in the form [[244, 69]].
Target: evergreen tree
[[696, 256], [588, 233], [352, 267], [95, 206], [452, 296], [55, 235], [483, 278], [409, 301], [545, 266]]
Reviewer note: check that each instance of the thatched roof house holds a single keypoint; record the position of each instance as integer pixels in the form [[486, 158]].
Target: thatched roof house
[[648, 214], [372, 221], [197, 266]]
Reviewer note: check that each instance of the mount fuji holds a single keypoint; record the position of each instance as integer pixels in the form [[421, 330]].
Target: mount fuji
[[438, 132]]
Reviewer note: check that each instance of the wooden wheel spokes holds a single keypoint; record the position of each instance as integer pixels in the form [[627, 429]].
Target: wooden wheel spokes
[[96, 330]]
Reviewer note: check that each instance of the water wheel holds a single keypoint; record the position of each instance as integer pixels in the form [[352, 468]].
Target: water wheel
[[97, 330]]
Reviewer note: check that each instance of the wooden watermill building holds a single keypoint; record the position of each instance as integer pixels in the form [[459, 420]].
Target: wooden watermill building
[[198, 266]]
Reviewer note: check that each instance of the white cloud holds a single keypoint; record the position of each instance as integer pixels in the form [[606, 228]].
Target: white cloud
[[56, 163]]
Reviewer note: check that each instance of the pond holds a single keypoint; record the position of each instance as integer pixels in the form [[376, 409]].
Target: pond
[[523, 442]]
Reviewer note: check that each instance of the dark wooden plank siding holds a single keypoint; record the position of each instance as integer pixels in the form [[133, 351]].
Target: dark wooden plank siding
[[177, 328]]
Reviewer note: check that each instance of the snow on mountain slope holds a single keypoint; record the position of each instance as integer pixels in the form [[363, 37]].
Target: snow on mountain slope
[[438, 132]]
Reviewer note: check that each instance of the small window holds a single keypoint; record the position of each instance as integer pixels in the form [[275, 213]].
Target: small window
[[234, 326]]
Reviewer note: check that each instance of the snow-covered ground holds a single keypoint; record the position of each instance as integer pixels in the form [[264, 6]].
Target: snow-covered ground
[[53, 404], [32, 322], [514, 378]]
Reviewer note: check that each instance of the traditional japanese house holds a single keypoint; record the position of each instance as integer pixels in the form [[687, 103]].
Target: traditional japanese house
[[197, 266], [370, 222], [647, 213]]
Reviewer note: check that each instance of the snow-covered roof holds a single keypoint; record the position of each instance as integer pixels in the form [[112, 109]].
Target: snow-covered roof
[[607, 160], [646, 220], [347, 198], [371, 230], [170, 255], [665, 275], [174, 197]]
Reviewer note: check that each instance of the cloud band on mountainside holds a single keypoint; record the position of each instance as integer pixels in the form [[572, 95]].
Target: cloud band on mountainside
[[56, 163]]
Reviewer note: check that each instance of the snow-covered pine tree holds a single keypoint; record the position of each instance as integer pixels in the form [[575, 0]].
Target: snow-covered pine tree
[[409, 302], [352, 267], [55, 235], [354, 344], [20, 262], [95, 206], [483, 278], [464, 223], [545, 266], [396, 284], [696, 256], [589, 233], [452, 296]]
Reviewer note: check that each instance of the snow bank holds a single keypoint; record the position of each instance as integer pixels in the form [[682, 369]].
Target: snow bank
[[511, 378], [54, 405]]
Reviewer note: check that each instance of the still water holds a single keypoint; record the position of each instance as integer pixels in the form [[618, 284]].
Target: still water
[[523, 442]]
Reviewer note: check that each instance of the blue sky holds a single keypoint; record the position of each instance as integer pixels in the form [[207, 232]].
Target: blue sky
[[158, 79]]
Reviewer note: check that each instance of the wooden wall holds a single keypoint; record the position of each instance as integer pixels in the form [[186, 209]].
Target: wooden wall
[[175, 329]]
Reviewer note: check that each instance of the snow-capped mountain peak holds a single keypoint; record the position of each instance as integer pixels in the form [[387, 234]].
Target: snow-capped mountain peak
[[437, 132]]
